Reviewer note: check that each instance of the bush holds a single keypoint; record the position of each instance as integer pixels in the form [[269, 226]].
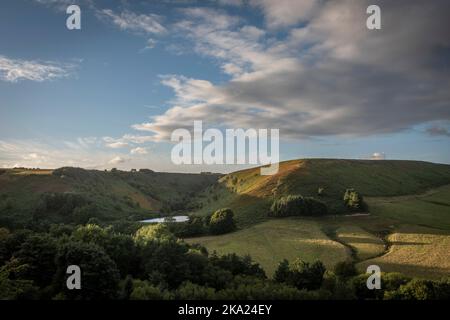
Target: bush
[[354, 201], [159, 231], [390, 282], [419, 289], [297, 205], [222, 221]]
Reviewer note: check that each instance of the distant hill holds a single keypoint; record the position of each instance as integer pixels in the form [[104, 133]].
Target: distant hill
[[30, 196], [250, 194], [115, 194]]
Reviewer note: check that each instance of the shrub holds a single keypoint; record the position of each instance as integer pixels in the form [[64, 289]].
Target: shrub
[[354, 201], [222, 221], [159, 231]]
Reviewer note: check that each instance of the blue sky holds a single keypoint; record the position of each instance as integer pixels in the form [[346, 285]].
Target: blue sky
[[110, 94]]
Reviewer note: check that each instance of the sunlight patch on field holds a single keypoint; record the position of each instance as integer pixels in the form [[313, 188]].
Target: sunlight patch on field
[[416, 251], [270, 242], [366, 244]]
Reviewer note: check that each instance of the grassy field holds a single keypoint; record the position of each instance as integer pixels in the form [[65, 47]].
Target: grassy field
[[272, 241], [430, 209], [366, 245], [416, 251]]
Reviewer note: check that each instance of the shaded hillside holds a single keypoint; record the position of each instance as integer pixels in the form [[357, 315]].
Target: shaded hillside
[[108, 195], [250, 194]]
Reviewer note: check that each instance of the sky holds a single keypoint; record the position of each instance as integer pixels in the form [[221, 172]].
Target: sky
[[110, 94]]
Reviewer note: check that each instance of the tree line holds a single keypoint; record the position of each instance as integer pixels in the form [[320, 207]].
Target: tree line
[[152, 263]]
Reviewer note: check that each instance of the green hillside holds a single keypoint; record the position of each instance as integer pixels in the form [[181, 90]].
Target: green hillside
[[110, 195], [250, 194]]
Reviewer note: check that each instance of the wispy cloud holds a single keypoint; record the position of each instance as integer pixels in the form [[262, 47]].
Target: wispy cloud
[[117, 160], [285, 13], [325, 77], [14, 70], [130, 21]]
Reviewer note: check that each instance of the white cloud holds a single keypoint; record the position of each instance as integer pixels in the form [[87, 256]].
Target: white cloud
[[126, 140], [325, 78], [151, 43], [117, 145], [139, 150], [285, 13], [117, 160], [130, 21], [31, 153], [14, 70]]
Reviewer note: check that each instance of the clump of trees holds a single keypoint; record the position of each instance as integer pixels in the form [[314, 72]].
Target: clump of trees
[[354, 201], [194, 227], [222, 221], [301, 274], [297, 205]]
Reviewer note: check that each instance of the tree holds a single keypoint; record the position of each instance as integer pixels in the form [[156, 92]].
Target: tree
[[143, 290], [192, 291], [12, 286], [416, 289], [282, 273], [354, 201], [159, 232], [38, 252], [99, 274], [222, 221], [390, 282], [120, 247], [304, 275], [4, 237], [238, 265]]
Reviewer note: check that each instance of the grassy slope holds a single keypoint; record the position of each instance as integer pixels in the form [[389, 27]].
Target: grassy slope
[[272, 241], [389, 185], [429, 209], [251, 194], [416, 251]]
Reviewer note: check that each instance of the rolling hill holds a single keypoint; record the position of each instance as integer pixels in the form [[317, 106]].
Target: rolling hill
[[117, 195], [408, 229], [250, 195]]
